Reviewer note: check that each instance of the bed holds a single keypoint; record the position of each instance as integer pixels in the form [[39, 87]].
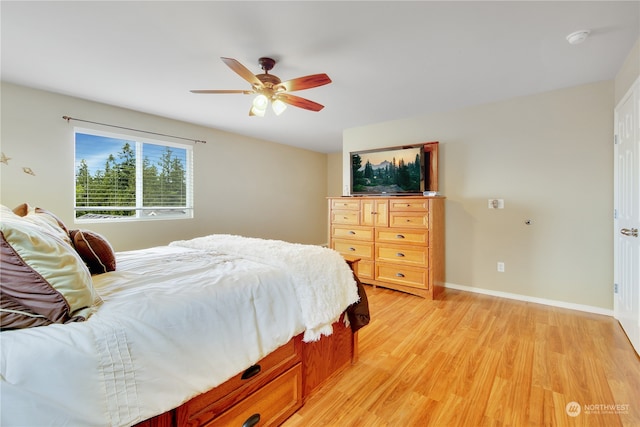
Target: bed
[[217, 330]]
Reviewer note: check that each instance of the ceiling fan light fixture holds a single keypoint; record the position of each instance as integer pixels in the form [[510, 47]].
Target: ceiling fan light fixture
[[278, 106], [260, 102], [258, 111]]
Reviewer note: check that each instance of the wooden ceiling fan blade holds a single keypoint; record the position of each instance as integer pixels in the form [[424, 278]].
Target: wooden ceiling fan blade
[[242, 71], [246, 92], [296, 101], [305, 82]]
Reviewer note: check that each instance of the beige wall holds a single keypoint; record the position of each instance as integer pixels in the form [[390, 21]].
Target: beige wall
[[334, 173], [550, 157], [242, 185], [628, 73]]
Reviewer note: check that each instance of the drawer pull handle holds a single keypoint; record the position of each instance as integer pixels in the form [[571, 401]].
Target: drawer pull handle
[[399, 275], [352, 232], [251, 371], [400, 254], [352, 249], [399, 236], [252, 421]]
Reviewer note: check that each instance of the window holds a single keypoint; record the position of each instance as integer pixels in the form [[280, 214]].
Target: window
[[125, 178]]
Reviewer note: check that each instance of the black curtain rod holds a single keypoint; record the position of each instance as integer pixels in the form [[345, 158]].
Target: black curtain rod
[[67, 118]]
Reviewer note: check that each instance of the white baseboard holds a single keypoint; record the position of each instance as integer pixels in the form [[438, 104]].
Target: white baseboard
[[526, 298]]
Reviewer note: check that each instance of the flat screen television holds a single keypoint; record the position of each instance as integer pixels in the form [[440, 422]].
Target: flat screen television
[[394, 171]]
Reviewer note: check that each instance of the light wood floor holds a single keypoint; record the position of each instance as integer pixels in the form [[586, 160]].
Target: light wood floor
[[474, 360]]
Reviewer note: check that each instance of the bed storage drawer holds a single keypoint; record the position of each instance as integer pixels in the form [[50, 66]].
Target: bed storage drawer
[[202, 408], [270, 405]]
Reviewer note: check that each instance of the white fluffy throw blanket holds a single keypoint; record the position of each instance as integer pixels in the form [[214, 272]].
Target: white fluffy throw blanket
[[324, 282]]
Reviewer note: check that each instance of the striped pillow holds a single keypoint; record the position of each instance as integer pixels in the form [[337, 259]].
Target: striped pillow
[[44, 280]]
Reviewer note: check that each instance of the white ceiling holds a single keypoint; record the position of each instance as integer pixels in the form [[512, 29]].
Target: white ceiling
[[388, 60]]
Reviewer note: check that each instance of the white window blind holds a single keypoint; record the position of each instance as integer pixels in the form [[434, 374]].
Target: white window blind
[[120, 177]]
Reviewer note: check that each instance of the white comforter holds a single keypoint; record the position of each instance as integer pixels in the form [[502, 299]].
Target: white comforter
[[175, 322]]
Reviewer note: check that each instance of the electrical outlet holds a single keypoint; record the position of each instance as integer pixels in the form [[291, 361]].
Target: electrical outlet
[[501, 267]]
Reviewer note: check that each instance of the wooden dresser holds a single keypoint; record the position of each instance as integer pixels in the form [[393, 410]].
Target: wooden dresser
[[399, 240]]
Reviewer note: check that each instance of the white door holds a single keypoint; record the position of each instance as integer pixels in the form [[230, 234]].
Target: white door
[[626, 306]]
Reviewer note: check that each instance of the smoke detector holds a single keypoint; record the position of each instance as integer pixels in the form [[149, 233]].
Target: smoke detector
[[578, 36]]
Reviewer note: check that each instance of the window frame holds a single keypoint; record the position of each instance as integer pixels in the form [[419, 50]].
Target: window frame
[[139, 208]]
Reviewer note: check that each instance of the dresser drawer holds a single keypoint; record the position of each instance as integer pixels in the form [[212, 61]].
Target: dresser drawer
[[345, 204], [398, 236], [345, 217], [411, 255], [354, 248], [416, 205], [271, 405], [365, 269], [403, 275], [204, 407], [356, 233], [409, 219]]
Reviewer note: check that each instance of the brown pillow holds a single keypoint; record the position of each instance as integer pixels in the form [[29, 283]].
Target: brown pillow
[[95, 251]]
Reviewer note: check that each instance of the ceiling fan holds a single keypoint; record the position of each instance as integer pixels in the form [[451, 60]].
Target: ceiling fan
[[270, 89]]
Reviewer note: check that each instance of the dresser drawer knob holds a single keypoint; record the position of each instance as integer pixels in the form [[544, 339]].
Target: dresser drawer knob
[[352, 249], [251, 371], [399, 236], [399, 254], [399, 275], [352, 232], [252, 421]]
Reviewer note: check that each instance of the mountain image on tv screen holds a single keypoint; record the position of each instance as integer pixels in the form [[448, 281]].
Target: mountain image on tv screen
[[387, 171]]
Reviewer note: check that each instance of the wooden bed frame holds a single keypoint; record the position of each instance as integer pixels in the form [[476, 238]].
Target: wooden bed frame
[[272, 390]]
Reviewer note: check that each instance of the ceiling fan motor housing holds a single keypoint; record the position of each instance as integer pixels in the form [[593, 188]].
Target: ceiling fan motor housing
[[269, 80], [266, 63]]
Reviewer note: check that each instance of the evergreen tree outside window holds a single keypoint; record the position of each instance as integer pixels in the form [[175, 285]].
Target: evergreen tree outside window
[[120, 177]]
